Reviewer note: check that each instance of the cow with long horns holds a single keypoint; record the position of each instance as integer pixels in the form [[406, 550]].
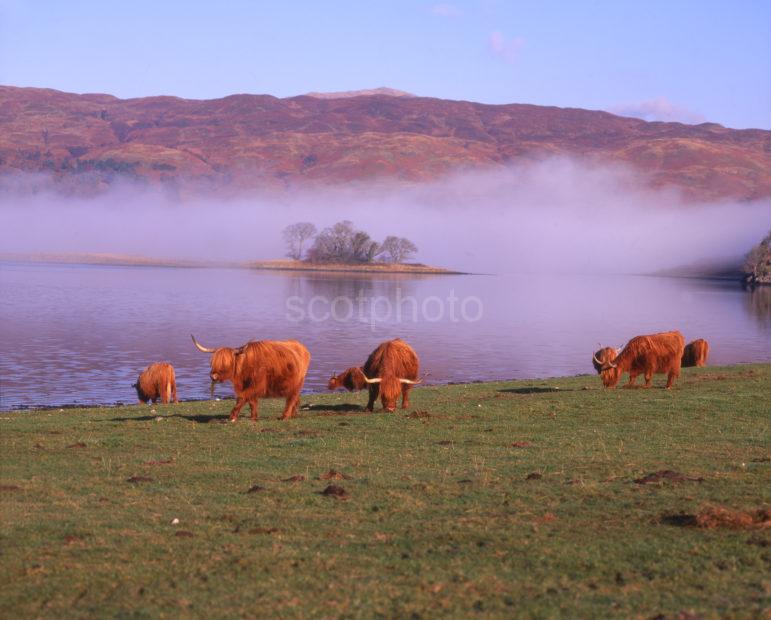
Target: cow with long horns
[[647, 355], [157, 382], [390, 371], [600, 358], [261, 369], [695, 353]]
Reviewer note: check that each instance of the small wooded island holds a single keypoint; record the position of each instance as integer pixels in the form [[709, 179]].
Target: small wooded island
[[342, 247]]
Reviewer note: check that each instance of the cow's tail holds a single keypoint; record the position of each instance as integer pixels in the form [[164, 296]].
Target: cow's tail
[[168, 391]]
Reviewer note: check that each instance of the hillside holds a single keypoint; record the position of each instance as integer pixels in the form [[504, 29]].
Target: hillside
[[255, 141]]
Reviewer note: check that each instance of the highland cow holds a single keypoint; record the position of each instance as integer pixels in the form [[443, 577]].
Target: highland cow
[[695, 353], [646, 355], [261, 369], [604, 355], [390, 371], [156, 382]]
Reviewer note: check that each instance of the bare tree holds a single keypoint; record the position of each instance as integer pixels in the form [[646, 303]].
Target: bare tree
[[342, 243], [295, 236], [397, 249]]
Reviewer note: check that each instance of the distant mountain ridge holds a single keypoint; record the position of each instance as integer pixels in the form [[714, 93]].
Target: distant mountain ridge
[[87, 142]]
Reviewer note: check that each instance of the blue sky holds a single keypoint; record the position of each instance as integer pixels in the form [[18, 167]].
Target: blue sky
[[668, 60]]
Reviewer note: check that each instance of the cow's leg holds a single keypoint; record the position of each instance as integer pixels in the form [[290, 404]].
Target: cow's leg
[[406, 395], [674, 373], [374, 390], [254, 406], [290, 409], [240, 402], [174, 392], [648, 377], [165, 393], [632, 378]]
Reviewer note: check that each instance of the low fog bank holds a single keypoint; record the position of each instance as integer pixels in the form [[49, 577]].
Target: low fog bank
[[558, 216]]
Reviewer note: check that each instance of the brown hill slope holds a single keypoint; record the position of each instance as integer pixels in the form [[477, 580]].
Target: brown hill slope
[[247, 141]]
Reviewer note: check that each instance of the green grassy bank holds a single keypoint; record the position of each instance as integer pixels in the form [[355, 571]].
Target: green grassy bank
[[500, 499]]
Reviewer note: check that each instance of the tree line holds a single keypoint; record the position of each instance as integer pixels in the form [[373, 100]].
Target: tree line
[[342, 243]]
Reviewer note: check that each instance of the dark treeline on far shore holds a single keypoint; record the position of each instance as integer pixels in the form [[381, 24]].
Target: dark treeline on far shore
[[342, 243]]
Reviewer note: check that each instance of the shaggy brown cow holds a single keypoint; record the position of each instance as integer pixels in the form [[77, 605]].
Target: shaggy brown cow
[[157, 381], [604, 355], [390, 370], [656, 353], [261, 369], [695, 353], [352, 379]]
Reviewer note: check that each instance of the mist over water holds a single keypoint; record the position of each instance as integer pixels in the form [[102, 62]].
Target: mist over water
[[556, 216]]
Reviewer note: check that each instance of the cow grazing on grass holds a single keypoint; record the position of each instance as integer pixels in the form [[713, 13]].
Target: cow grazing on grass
[[261, 369], [390, 371], [601, 357], [695, 353], [352, 379], [646, 355], [156, 382]]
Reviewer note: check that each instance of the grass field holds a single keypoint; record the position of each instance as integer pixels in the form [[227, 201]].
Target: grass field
[[513, 499]]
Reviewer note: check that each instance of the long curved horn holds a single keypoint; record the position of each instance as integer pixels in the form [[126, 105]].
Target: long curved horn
[[408, 382], [375, 380], [200, 347], [594, 357]]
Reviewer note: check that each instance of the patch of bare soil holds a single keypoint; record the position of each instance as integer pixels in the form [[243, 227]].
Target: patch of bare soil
[[263, 530], [334, 475], [183, 534], [160, 462], [712, 517], [6, 488], [78, 444], [521, 444], [419, 414], [335, 491], [666, 474], [255, 488], [307, 434], [444, 442], [534, 476], [297, 478], [71, 539], [137, 479]]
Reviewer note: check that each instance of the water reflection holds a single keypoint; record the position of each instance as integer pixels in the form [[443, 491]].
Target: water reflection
[[89, 330]]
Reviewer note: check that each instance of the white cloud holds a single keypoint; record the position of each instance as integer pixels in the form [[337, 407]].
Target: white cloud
[[445, 10], [505, 48], [658, 109]]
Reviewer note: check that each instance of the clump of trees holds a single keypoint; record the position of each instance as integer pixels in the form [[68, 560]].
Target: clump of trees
[[757, 265], [343, 243]]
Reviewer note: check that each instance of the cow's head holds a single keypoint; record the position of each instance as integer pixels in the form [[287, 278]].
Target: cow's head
[[390, 389], [222, 363], [603, 362], [140, 393], [352, 379]]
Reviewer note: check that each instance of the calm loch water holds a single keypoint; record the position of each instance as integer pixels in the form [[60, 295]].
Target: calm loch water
[[80, 334]]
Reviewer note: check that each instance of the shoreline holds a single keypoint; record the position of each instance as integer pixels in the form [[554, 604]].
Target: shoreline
[[118, 260], [477, 383]]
